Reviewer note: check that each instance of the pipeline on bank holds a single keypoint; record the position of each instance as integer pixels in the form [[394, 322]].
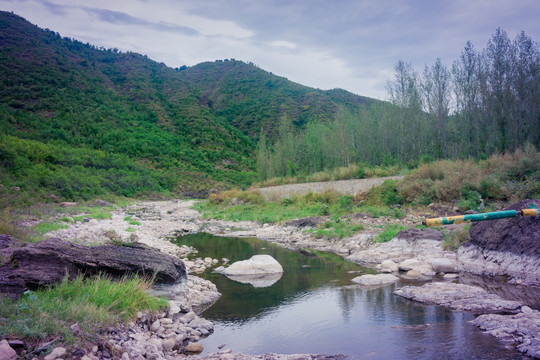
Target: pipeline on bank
[[448, 220]]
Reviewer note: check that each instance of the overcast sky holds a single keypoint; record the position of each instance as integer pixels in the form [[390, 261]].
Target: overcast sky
[[348, 44]]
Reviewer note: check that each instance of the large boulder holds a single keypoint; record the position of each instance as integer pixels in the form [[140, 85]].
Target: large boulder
[[49, 261], [509, 246], [256, 265], [259, 271]]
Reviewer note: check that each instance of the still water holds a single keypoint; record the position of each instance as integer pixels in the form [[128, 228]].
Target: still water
[[315, 308]]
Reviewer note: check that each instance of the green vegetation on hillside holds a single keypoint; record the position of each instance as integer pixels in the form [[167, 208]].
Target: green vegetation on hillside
[[119, 123], [79, 122]]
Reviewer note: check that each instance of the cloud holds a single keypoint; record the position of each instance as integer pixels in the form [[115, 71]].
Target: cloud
[[352, 44]]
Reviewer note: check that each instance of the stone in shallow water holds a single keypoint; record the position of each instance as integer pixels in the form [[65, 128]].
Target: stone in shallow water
[[195, 347], [459, 297], [375, 280], [257, 264]]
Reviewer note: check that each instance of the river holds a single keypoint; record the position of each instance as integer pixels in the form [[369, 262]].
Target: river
[[315, 308]]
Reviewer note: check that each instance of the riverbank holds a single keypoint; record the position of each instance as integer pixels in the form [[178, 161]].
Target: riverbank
[[418, 255]]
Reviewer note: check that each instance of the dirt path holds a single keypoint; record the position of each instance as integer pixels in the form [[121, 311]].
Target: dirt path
[[349, 187]]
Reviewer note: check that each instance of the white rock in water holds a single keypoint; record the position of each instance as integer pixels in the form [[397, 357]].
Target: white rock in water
[[257, 264], [375, 280]]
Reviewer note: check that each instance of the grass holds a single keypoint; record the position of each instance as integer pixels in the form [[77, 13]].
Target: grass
[[46, 226], [508, 177], [130, 220], [336, 229], [453, 240], [390, 231], [93, 303], [236, 205]]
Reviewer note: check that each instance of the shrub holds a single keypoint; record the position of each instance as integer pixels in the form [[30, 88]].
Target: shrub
[[385, 194], [470, 200], [452, 241]]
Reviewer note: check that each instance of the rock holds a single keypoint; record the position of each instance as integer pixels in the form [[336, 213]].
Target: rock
[[200, 323], [257, 264], [189, 317], [55, 353], [521, 329], [78, 353], [155, 326], [75, 329], [443, 265], [309, 222], [99, 202], [505, 247], [408, 264], [450, 276], [459, 297], [47, 262], [526, 310], [375, 280], [156, 342], [15, 188], [202, 293], [152, 352], [413, 274], [388, 266], [168, 344], [195, 347], [420, 234], [16, 344], [68, 204], [6, 352], [173, 310]]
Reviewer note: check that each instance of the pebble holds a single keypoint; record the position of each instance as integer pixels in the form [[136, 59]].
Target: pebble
[[155, 326], [6, 352], [195, 347], [56, 353]]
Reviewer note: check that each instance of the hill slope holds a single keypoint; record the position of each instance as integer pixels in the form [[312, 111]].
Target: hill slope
[[79, 121]]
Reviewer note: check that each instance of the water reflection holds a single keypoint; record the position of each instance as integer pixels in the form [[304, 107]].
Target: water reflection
[[315, 309]]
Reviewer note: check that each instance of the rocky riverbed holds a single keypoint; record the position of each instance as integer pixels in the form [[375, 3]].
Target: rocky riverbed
[[413, 254]]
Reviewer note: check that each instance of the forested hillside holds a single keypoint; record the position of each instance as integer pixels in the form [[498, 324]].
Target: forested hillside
[[78, 121], [486, 102]]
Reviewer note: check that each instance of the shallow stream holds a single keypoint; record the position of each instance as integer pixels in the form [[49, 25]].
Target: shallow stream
[[315, 308]]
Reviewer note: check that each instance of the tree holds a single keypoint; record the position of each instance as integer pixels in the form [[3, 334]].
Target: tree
[[499, 56], [436, 91]]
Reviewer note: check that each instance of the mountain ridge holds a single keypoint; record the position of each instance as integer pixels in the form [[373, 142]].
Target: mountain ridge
[[195, 126]]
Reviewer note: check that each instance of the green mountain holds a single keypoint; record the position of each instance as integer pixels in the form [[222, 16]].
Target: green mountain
[[78, 121]]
